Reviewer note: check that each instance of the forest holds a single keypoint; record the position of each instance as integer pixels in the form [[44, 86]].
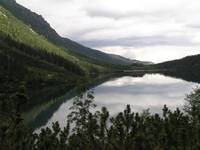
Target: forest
[[34, 69]]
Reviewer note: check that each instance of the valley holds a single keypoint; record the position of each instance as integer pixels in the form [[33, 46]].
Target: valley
[[57, 94]]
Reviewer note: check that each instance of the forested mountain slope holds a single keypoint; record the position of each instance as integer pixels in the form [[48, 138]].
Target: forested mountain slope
[[187, 68], [11, 26], [189, 62], [38, 24], [30, 61]]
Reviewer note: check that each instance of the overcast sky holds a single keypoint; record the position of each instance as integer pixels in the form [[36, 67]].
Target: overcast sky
[[150, 30]]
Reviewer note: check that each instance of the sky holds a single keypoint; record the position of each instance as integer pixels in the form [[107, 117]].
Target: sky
[[147, 30]]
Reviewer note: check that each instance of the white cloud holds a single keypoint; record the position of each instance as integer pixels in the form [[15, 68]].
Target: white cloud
[[155, 53], [156, 30]]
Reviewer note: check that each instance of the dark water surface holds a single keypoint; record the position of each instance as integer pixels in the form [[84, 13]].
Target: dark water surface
[[151, 91]]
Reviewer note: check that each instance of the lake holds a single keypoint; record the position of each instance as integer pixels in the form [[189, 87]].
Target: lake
[[150, 91]]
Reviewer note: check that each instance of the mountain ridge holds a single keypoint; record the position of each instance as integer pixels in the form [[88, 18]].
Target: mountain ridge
[[41, 26], [192, 61]]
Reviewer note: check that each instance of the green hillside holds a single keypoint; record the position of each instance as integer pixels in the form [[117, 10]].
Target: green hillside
[[187, 68], [41, 26], [189, 62], [22, 33], [32, 63]]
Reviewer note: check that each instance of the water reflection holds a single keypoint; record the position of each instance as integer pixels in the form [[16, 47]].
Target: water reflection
[[149, 91]]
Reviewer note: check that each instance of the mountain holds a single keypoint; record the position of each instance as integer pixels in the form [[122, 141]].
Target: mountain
[[189, 62], [29, 62], [187, 68], [28, 59], [39, 25], [22, 33]]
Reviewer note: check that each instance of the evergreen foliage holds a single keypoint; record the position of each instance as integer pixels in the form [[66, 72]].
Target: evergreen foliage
[[173, 130]]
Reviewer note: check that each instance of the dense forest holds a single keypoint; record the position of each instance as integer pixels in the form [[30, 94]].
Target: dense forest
[[171, 130], [34, 69], [189, 62]]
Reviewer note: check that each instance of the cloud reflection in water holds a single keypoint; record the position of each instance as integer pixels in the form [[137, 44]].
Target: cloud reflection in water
[[150, 91]]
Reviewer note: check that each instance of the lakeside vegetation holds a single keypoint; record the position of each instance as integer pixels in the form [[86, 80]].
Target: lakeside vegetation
[[88, 130]]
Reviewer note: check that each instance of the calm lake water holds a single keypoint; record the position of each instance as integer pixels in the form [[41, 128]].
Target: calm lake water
[[151, 91]]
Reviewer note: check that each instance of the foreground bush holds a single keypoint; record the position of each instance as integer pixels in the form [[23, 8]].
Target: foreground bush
[[173, 130]]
